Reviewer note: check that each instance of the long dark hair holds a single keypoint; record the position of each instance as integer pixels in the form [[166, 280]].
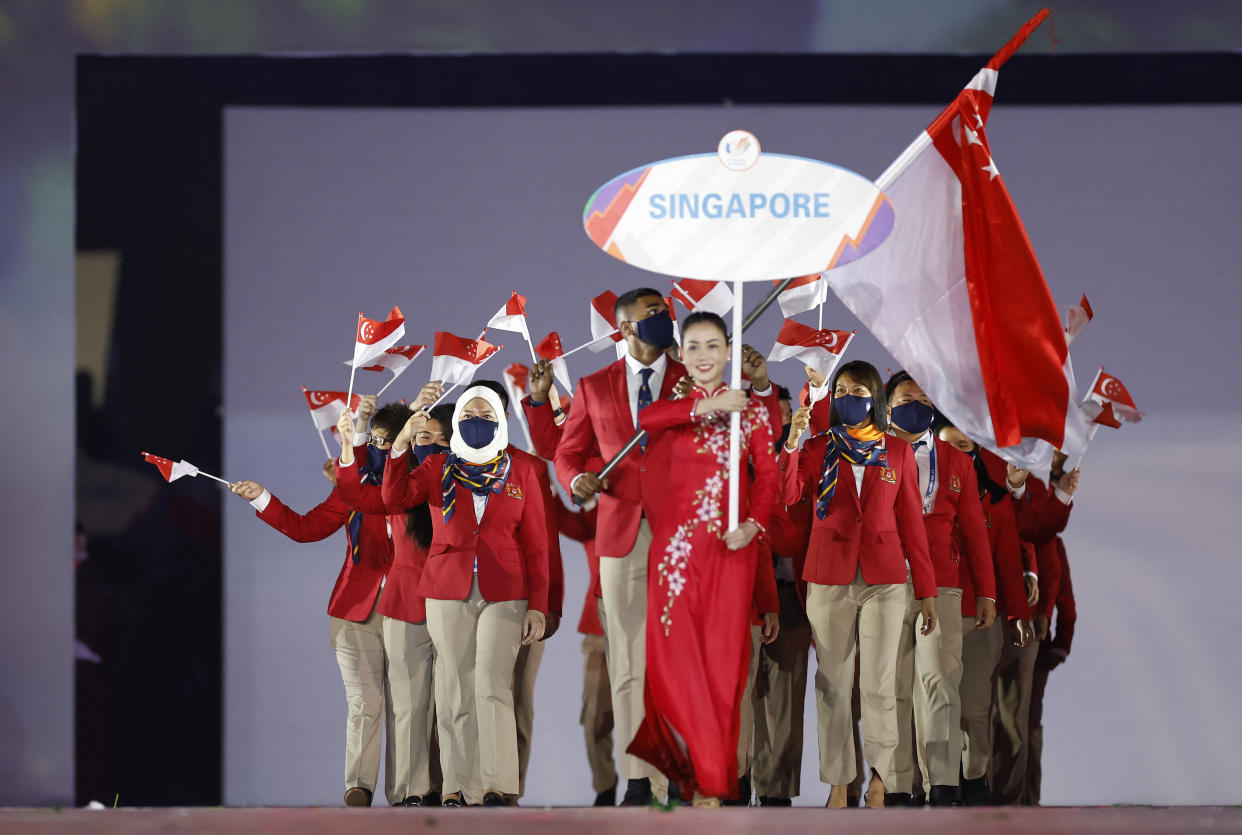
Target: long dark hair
[[418, 518], [865, 373]]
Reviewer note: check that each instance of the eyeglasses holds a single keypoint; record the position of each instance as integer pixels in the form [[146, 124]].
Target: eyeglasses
[[377, 440]]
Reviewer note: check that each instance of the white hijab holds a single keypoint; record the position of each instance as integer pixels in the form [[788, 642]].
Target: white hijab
[[501, 440]]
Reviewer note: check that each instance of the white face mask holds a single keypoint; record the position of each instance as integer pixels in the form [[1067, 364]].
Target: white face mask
[[501, 440]]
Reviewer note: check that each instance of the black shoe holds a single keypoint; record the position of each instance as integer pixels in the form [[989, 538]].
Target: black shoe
[[976, 792], [412, 800], [852, 800], [608, 797], [495, 799], [431, 798], [775, 801], [918, 801], [674, 795], [944, 796], [357, 796], [896, 799], [743, 792], [637, 793], [453, 800]]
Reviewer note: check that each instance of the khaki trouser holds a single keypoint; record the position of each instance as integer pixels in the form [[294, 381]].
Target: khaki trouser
[[780, 692], [1011, 723], [359, 649], [410, 661], [527, 667], [981, 652], [864, 621], [623, 613], [596, 716], [929, 672], [1034, 767], [476, 651], [746, 710]]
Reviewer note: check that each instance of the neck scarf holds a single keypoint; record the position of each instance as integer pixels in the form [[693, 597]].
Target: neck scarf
[[480, 479], [987, 487], [863, 446]]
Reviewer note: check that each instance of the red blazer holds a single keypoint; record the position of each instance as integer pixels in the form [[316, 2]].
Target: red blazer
[[544, 433], [599, 425], [767, 598], [357, 586], [1040, 517], [955, 526], [401, 599], [883, 529], [791, 534], [510, 544], [998, 520], [1067, 612], [556, 566]]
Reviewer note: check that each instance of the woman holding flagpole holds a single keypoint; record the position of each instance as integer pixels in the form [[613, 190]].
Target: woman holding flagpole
[[700, 586], [486, 586], [867, 525]]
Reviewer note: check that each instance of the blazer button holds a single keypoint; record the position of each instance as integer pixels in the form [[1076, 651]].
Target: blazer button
[[859, 519], [476, 531]]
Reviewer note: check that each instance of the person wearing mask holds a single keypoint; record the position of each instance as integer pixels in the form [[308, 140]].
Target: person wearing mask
[[486, 586], [929, 666], [605, 415], [355, 627], [867, 525], [407, 644], [701, 587]]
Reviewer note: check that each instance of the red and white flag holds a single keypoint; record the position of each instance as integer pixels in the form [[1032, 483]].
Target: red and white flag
[[455, 359], [395, 359], [1107, 389], [514, 379], [672, 314], [551, 349], [803, 294], [374, 337], [707, 296], [820, 349], [965, 308], [171, 470], [1101, 414], [1076, 318], [326, 406], [604, 321], [512, 317]]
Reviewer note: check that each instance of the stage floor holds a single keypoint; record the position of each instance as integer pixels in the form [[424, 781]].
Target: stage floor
[[1118, 819]]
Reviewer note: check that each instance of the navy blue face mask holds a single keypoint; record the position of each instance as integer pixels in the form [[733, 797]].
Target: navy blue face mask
[[914, 417], [421, 451], [852, 409], [656, 330], [477, 432], [373, 469]]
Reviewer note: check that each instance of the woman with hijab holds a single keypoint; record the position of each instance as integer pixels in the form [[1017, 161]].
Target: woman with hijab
[[486, 586], [700, 585], [866, 526]]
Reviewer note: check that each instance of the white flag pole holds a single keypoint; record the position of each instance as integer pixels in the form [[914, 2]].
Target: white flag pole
[[735, 419], [390, 382], [443, 395], [319, 432], [215, 478], [353, 369], [530, 344]]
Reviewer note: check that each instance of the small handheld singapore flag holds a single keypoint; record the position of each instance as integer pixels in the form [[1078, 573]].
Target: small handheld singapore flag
[[455, 359], [1076, 318], [820, 349], [326, 406], [603, 321], [708, 296], [512, 317], [1107, 390], [374, 337], [803, 294], [173, 470], [551, 349], [395, 359]]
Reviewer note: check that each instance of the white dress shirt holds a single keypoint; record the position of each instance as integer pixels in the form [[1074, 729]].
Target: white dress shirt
[[634, 380]]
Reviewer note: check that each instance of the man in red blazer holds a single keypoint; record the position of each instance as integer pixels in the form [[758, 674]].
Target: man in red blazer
[[355, 627], [1053, 650], [604, 417], [929, 667]]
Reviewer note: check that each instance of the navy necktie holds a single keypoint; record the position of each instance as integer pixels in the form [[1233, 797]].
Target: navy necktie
[[644, 396], [915, 446]]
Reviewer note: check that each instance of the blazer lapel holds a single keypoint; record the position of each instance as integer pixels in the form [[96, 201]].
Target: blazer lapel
[[872, 474], [621, 392]]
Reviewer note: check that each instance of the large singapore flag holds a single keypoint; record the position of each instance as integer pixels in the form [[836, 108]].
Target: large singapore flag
[[956, 295]]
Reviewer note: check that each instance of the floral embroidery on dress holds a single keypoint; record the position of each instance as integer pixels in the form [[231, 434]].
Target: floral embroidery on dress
[[711, 436]]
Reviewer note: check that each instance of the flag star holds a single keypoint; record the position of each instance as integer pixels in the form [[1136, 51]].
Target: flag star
[[978, 121], [972, 137], [991, 169]]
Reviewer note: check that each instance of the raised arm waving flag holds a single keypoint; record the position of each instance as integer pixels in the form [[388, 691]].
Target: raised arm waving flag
[[965, 306]]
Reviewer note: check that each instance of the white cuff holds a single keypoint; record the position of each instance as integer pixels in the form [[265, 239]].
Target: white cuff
[[1017, 492], [767, 391], [260, 504], [574, 481], [1062, 496], [985, 597], [817, 393], [1031, 574], [392, 453]]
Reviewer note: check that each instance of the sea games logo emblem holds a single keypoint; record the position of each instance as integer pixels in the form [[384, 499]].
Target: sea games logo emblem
[[738, 150]]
